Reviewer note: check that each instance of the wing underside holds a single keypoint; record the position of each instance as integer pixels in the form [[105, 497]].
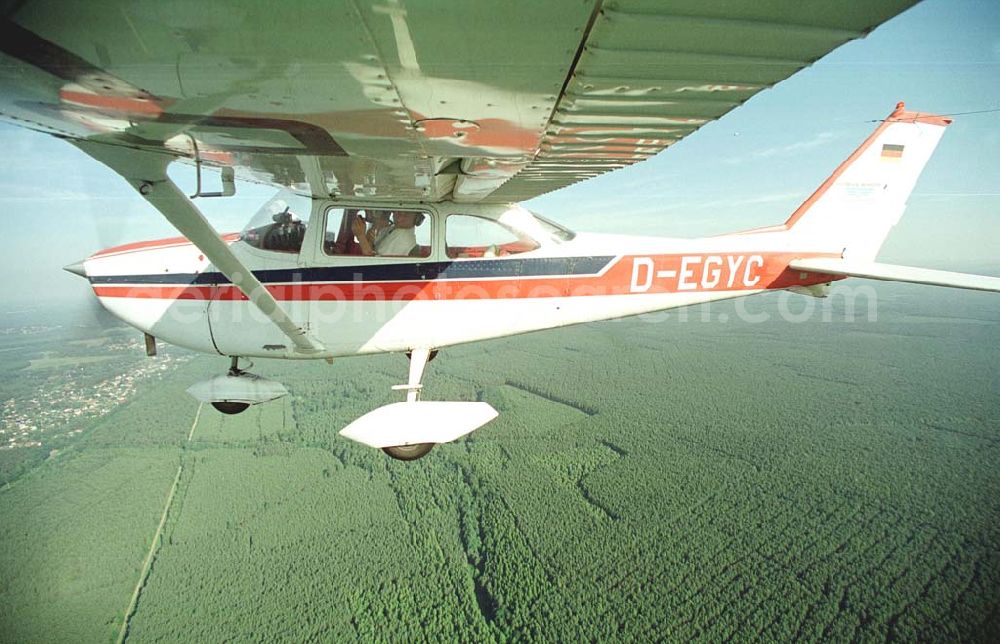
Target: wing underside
[[405, 100]]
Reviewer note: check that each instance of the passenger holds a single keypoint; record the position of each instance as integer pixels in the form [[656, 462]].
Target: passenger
[[399, 240]]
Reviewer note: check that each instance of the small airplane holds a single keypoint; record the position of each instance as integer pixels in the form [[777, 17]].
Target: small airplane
[[413, 164]]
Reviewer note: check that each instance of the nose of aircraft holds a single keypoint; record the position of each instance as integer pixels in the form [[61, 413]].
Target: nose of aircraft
[[76, 268]]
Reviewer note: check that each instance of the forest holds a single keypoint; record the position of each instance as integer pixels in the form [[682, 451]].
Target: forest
[[693, 478]]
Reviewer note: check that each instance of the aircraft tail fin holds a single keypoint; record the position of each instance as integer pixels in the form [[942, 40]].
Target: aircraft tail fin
[[857, 206]]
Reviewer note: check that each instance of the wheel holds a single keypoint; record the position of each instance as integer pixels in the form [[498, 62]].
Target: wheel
[[229, 407], [408, 452]]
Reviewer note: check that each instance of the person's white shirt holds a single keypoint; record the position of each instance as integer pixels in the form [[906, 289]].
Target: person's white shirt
[[398, 241]]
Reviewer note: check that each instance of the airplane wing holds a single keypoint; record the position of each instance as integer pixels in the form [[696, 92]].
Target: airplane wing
[[404, 99]]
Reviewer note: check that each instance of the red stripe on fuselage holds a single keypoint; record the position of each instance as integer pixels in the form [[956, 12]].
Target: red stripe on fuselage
[[640, 274], [156, 243]]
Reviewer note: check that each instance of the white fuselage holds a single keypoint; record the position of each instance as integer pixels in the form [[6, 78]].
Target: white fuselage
[[358, 305]]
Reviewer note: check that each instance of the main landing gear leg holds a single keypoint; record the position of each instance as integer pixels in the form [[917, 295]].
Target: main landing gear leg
[[408, 429], [418, 360]]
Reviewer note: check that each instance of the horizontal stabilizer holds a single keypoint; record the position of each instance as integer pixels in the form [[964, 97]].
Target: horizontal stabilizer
[[895, 273], [422, 421]]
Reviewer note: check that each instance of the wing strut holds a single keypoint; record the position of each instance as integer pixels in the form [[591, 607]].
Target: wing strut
[[146, 171]]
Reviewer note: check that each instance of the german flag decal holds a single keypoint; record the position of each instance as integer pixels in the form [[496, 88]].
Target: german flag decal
[[892, 152]]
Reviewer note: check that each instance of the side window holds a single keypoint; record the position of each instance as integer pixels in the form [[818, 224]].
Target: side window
[[338, 238], [376, 232], [471, 236]]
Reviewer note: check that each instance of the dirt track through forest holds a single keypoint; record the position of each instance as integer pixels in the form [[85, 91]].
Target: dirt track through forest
[[134, 601]]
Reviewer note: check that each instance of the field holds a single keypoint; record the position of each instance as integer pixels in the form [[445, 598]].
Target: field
[[694, 478]]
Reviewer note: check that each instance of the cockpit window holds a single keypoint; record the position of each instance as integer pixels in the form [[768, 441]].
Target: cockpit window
[[535, 226], [472, 236], [279, 225], [554, 230], [516, 230], [377, 232]]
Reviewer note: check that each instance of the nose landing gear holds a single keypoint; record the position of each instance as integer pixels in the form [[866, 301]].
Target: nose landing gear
[[236, 391]]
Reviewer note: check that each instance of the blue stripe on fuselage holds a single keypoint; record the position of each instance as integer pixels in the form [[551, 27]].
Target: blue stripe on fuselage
[[410, 272]]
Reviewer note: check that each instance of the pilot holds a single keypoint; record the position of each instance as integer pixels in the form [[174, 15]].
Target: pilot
[[399, 240]]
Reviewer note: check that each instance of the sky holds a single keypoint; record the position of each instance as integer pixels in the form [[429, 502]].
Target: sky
[[751, 168]]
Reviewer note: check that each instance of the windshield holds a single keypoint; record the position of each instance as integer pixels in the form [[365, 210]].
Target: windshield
[[280, 224]]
